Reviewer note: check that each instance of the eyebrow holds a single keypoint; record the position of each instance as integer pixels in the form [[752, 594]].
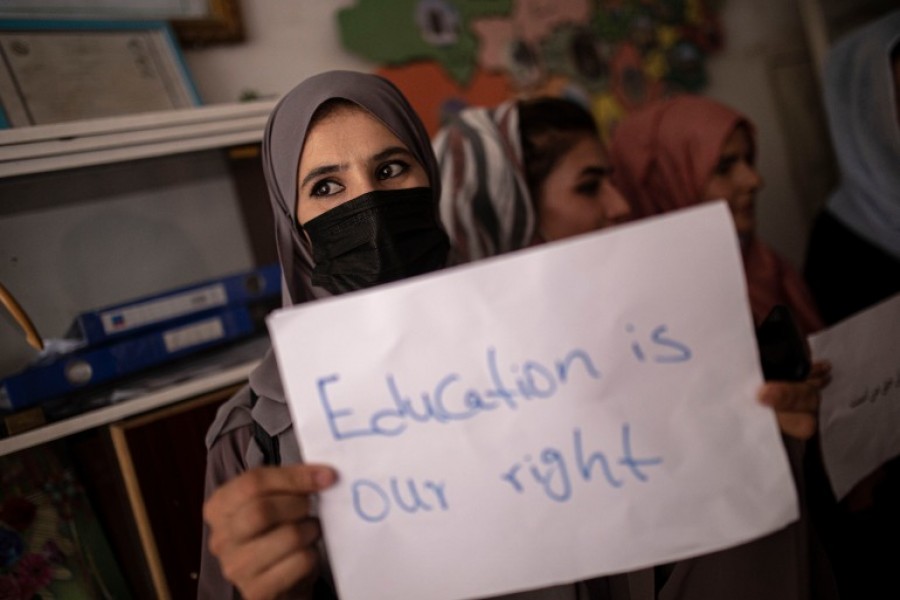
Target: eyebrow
[[329, 169], [392, 151], [319, 171], [599, 171]]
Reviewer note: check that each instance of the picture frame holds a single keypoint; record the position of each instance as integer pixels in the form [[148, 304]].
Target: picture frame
[[223, 25], [54, 71]]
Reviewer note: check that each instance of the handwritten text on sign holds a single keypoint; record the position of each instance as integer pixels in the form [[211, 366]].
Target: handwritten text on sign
[[860, 413], [576, 409]]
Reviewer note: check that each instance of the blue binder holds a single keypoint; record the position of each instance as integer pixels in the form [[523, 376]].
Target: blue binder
[[178, 305], [91, 366]]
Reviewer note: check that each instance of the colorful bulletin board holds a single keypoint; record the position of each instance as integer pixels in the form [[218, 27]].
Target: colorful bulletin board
[[611, 55], [51, 544]]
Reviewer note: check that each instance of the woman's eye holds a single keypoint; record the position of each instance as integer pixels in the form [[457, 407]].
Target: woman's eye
[[326, 188], [724, 166], [588, 188], [391, 170]]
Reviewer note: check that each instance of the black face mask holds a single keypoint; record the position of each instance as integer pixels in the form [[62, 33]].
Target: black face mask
[[378, 237]]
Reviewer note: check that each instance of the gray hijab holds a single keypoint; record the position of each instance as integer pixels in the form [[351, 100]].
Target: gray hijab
[[282, 146], [862, 115]]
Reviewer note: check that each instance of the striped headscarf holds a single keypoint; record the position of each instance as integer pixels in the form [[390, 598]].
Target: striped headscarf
[[485, 204]]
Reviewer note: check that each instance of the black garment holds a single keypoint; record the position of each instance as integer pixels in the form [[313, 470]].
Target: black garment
[[863, 545], [845, 272]]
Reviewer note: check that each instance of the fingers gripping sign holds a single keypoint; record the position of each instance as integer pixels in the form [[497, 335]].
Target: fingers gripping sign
[[262, 529], [796, 404]]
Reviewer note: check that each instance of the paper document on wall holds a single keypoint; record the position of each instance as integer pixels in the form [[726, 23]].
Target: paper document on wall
[[859, 418], [567, 411]]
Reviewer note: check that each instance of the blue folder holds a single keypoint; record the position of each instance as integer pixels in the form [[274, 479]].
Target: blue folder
[[94, 365], [178, 305]]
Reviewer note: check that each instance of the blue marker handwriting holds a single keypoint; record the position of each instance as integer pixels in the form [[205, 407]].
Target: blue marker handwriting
[[373, 503], [554, 473], [452, 399]]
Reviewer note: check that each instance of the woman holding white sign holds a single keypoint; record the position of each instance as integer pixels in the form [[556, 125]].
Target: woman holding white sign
[[853, 263], [350, 149], [347, 164], [340, 148]]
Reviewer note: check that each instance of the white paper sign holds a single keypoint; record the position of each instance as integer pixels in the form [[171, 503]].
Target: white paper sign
[[859, 418], [567, 411]]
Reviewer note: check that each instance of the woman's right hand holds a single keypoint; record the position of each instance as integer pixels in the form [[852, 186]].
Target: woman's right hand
[[262, 532], [796, 403]]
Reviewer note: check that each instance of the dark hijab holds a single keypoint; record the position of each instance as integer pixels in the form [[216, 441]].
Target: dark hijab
[[282, 146]]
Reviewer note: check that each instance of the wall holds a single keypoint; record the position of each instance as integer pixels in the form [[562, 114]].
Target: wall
[[286, 41], [767, 72], [765, 46]]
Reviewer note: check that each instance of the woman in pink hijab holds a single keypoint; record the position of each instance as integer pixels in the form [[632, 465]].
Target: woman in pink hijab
[[689, 149], [677, 153]]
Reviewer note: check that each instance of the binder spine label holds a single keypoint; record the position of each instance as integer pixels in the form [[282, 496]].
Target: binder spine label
[[194, 334], [154, 311]]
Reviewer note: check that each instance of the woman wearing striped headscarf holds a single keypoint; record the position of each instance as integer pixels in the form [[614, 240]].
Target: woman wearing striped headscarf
[[522, 173], [535, 171]]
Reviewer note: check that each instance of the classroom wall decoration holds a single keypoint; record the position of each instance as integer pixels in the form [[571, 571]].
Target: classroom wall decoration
[[611, 55]]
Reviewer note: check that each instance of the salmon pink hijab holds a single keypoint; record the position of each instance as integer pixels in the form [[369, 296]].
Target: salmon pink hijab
[[664, 154]]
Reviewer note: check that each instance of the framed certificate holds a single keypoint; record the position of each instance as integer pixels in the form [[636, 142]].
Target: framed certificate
[[196, 22], [56, 71]]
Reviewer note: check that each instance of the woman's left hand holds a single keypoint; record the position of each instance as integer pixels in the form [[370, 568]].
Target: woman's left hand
[[796, 403]]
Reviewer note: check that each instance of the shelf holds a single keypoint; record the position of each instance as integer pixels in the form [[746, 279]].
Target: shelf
[[45, 148], [53, 147], [127, 408]]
